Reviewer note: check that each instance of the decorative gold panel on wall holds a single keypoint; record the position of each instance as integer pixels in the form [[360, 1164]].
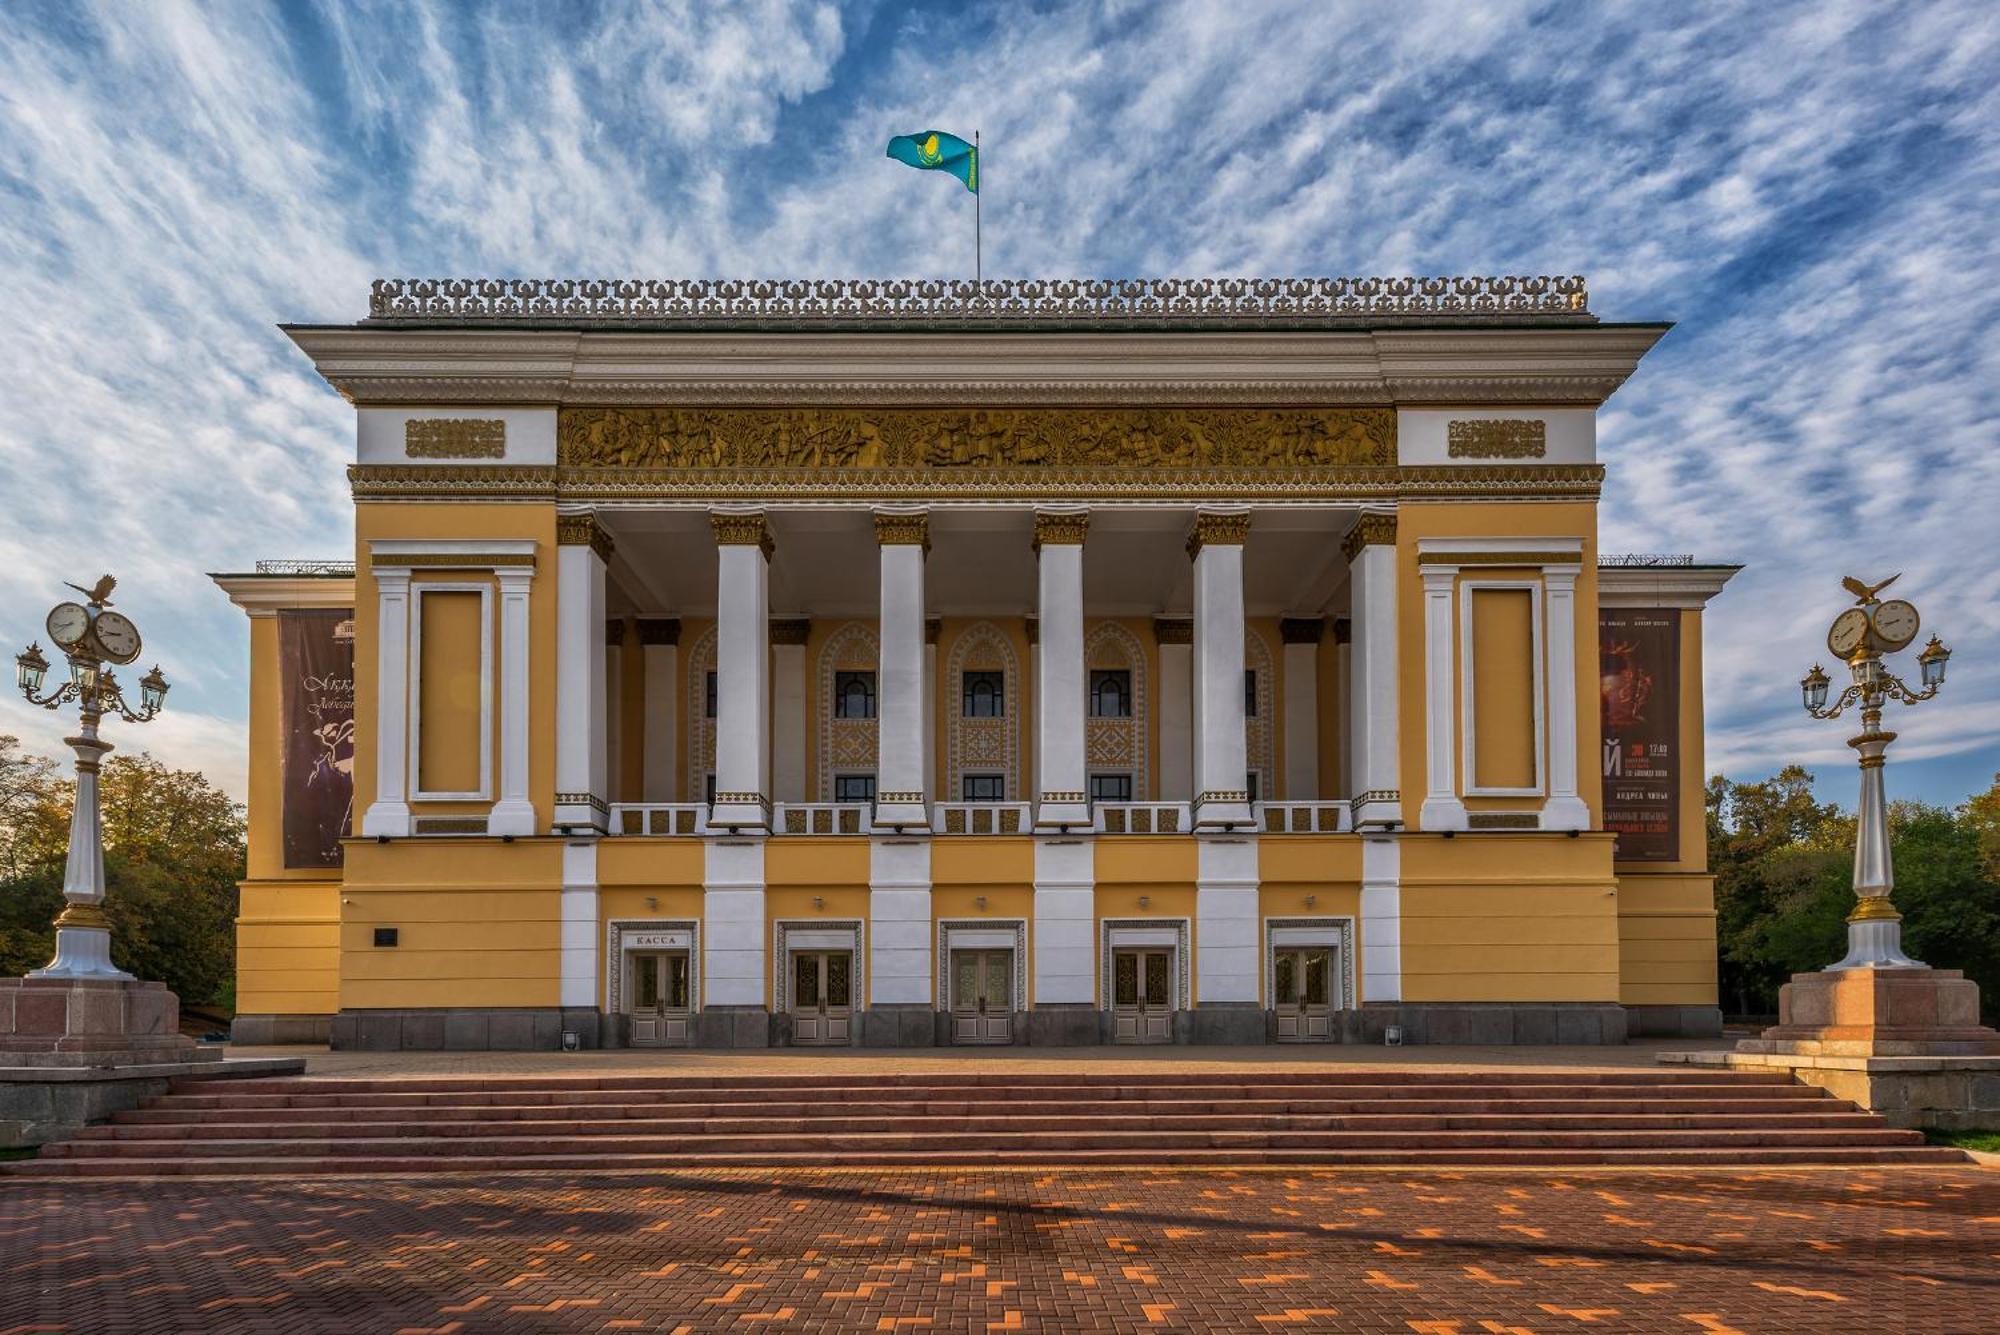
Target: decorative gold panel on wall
[[455, 438]]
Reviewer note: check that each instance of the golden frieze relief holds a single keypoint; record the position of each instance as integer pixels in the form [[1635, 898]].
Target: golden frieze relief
[[455, 438], [979, 438], [1498, 438]]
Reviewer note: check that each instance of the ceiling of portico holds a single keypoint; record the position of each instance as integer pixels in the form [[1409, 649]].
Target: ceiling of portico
[[982, 562]]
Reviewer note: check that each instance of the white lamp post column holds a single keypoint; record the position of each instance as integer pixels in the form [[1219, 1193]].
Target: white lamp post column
[[743, 672], [83, 934], [1061, 802], [1221, 765]]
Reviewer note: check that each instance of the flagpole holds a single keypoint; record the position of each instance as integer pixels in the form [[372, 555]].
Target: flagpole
[[978, 256]]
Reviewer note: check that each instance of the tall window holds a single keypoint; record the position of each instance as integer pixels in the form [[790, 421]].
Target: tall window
[[1111, 787], [709, 787], [984, 695], [1111, 693], [708, 698], [854, 787], [1250, 692], [854, 695], [983, 788], [1250, 785]]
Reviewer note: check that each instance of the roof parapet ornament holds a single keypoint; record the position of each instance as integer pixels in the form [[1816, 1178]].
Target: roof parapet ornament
[[1005, 303]]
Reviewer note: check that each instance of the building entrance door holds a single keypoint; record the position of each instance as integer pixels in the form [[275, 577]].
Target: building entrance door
[[1301, 993], [660, 1017], [1142, 996], [982, 996], [822, 996]]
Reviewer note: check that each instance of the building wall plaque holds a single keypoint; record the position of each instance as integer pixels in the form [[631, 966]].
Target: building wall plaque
[[1497, 438], [455, 438]]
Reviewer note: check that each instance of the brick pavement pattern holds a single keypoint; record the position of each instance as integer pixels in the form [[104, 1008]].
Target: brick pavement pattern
[[1436, 1253]]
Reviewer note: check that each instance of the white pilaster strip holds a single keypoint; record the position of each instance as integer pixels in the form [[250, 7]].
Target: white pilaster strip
[[1061, 800], [788, 725], [513, 813], [1442, 809], [1221, 767], [732, 923], [1374, 690], [389, 813], [743, 672], [899, 922], [1301, 716], [580, 974], [1565, 808], [661, 650], [614, 712], [1176, 713], [1065, 946], [1226, 946], [582, 767], [902, 536], [1381, 919]]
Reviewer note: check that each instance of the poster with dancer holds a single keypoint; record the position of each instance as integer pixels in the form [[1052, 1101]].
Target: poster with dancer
[[1639, 655], [316, 675]]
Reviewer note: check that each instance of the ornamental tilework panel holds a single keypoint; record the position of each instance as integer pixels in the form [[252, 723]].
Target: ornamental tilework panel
[[1118, 744], [983, 745], [846, 745], [701, 728]]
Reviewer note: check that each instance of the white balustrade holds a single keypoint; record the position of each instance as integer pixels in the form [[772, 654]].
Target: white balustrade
[[1304, 817], [1141, 817], [659, 818], [980, 818], [823, 818]]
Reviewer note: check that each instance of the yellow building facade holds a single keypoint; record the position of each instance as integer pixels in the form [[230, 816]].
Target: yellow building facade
[[898, 664]]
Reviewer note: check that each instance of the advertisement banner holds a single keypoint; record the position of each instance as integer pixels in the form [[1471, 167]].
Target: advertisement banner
[[1639, 657], [316, 686]]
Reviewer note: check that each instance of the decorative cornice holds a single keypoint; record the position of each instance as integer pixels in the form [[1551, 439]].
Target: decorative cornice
[[790, 630], [1217, 530], [1301, 630], [1123, 303], [1061, 528], [742, 530], [903, 528], [1173, 630], [584, 531], [1497, 438], [455, 438], [1372, 529], [501, 482], [451, 560], [1498, 558], [656, 631]]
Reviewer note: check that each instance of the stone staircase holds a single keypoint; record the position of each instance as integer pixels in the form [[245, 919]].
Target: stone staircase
[[1403, 1118]]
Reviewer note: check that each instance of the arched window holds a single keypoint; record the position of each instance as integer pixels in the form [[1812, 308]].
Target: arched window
[[854, 695], [1111, 693], [984, 694]]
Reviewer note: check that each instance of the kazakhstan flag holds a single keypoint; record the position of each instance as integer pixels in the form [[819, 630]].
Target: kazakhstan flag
[[934, 150]]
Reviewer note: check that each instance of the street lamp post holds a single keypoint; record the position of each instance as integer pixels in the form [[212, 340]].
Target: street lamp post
[[93, 638], [1860, 636]]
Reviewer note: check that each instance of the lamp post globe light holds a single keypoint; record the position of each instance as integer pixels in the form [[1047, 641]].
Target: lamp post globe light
[[94, 639], [1861, 636]]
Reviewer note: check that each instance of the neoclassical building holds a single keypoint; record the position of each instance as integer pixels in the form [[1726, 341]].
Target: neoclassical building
[[810, 663]]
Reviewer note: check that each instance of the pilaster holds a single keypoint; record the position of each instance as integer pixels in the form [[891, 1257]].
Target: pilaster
[[1442, 809], [1301, 636], [790, 688], [1565, 808], [1175, 637], [513, 813], [389, 814], [659, 642]]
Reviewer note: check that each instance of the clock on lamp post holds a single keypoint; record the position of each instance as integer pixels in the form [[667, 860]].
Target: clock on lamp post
[[1860, 636], [94, 640]]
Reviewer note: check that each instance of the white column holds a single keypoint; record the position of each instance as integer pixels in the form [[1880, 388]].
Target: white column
[[1381, 975], [1373, 690], [1221, 766], [659, 640], [389, 813], [614, 713], [743, 672], [789, 689], [902, 537], [1065, 953], [1176, 714], [582, 767], [513, 813], [1227, 951], [1442, 809], [1565, 808], [1301, 710], [1059, 727], [580, 975], [899, 922]]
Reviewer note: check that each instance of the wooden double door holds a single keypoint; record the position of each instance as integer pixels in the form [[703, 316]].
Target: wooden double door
[[1142, 995], [1302, 993], [982, 996], [822, 997], [661, 1015]]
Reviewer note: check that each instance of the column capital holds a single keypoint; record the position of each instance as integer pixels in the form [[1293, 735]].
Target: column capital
[[791, 630], [1301, 630], [1061, 528], [742, 528], [1372, 529], [1218, 528], [655, 631], [1173, 630], [584, 531], [903, 528]]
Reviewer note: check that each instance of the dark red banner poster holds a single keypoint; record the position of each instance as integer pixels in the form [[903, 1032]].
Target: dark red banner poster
[[316, 684], [1639, 659]]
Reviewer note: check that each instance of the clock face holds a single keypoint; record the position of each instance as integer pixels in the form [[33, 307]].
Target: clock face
[[117, 636], [1895, 623], [68, 624], [1850, 628]]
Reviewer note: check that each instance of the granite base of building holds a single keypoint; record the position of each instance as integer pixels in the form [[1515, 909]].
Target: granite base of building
[[470, 1029], [281, 1030], [1496, 1023], [39, 1104], [735, 1027], [1673, 1022]]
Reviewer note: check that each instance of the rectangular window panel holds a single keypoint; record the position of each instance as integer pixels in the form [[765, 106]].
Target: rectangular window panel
[[984, 787], [1111, 693], [1111, 788], [854, 695], [708, 699], [450, 688], [1503, 689], [1250, 786], [983, 694], [854, 787], [1250, 692]]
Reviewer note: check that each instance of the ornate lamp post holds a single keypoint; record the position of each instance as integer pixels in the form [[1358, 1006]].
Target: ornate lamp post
[[1860, 636], [93, 638]]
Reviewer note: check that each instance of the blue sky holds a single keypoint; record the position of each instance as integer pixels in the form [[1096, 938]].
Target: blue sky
[[1807, 189]]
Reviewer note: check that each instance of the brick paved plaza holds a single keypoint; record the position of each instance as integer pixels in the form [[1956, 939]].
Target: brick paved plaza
[[1439, 1253]]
